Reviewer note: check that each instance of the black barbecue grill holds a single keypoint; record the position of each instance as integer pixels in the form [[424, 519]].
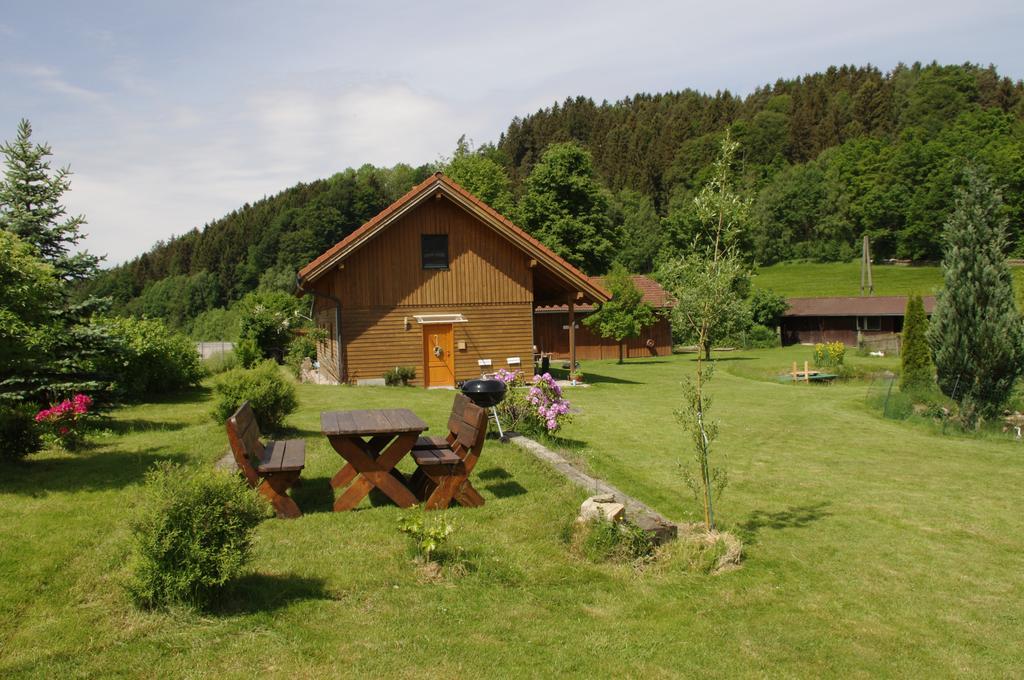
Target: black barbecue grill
[[484, 393], [487, 393]]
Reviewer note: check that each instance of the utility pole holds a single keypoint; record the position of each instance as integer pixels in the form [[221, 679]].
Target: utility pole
[[866, 283]]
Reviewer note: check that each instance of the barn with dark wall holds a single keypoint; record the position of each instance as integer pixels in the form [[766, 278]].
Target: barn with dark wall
[[551, 324], [845, 319]]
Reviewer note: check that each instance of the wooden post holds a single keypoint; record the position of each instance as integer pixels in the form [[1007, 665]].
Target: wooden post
[[572, 338], [807, 374]]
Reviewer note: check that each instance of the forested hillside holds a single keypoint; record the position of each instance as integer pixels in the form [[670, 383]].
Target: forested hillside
[[825, 158]]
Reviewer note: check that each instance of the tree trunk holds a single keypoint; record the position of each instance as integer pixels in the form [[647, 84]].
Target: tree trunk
[[707, 351], [620, 351]]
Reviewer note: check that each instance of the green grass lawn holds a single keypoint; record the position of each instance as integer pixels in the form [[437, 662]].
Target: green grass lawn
[[812, 279], [873, 548]]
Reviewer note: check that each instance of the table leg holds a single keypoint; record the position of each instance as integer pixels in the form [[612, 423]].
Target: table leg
[[375, 472], [346, 474]]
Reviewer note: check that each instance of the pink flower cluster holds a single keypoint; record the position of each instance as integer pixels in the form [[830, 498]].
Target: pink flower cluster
[[546, 395], [64, 416], [75, 406]]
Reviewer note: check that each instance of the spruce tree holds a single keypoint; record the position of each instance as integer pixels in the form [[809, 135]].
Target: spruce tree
[[30, 206], [976, 333], [916, 359]]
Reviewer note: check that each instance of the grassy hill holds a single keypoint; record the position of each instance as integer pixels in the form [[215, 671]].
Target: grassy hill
[[811, 279]]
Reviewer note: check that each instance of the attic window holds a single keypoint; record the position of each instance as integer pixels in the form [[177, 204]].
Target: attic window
[[435, 251]]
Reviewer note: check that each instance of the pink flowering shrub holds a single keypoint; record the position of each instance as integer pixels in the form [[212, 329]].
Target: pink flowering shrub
[[64, 422], [532, 406]]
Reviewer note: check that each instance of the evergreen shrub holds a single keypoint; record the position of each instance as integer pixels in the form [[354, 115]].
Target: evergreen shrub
[[916, 359]]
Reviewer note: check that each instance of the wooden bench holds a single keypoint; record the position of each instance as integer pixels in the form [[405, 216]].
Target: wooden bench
[[454, 418], [443, 468], [277, 464]]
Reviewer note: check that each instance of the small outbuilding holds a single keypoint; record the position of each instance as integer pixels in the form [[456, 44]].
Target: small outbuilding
[[441, 282], [845, 319], [551, 323]]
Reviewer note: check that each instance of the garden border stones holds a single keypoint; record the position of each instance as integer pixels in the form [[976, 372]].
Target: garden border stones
[[660, 528]]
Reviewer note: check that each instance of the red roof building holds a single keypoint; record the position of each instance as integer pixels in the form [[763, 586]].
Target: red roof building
[[551, 323]]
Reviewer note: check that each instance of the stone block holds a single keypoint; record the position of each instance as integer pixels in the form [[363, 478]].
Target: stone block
[[591, 508]]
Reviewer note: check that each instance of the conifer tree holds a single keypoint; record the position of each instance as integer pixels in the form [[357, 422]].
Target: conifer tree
[[976, 333], [30, 207], [916, 359]]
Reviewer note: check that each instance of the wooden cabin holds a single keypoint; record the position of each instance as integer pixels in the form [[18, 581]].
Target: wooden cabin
[[845, 319], [438, 281], [551, 323]]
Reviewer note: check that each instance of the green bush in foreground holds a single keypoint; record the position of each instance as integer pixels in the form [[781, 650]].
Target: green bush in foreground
[[19, 433], [193, 535], [271, 396]]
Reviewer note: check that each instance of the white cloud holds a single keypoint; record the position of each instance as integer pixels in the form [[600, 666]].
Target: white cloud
[[49, 78]]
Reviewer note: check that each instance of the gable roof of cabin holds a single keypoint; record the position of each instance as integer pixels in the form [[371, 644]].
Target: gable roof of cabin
[[439, 182], [653, 294]]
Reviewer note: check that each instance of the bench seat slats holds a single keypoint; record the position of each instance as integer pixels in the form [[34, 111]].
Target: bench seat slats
[[430, 442], [283, 456], [439, 456]]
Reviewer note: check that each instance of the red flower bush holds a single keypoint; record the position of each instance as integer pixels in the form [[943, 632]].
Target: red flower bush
[[64, 421]]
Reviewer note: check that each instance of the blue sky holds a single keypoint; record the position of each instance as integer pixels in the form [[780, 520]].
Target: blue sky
[[173, 113]]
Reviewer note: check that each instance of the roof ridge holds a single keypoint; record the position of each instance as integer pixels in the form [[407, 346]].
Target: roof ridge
[[439, 177]]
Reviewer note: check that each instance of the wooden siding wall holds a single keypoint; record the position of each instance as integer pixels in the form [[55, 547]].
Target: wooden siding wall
[[377, 339], [383, 285], [551, 336], [815, 329], [387, 271]]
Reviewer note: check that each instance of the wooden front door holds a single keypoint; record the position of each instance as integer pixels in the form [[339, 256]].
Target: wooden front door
[[438, 359]]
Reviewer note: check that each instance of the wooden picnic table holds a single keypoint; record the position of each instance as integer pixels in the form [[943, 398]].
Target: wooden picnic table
[[371, 443]]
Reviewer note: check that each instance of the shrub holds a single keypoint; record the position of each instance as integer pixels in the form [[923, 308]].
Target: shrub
[[532, 406], [271, 396], [761, 337], [151, 359], [829, 354], [302, 347], [18, 432], [600, 540], [64, 423], [248, 352], [193, 535], [219, 362], [428, 535], [400, 375], [267, 316]]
